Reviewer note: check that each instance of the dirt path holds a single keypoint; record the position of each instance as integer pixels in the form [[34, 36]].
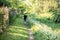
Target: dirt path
[[31, 37]]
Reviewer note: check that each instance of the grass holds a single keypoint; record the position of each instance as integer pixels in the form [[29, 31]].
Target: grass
[[45, 29], [49, 23], [16, 31]]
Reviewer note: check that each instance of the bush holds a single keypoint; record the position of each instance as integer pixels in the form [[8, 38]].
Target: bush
[[11, 18]]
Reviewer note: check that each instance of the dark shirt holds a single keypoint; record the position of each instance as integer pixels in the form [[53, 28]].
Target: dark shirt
[[25, 17]]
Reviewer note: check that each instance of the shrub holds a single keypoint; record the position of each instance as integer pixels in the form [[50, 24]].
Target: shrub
[[11, 18]]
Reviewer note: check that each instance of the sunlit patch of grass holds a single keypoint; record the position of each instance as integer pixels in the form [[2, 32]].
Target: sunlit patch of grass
[[57, 31], [16, 34], [22, 31], [18, 27], [16, 31], [43, 30], [41, 27], [12, 36], [19, 30]]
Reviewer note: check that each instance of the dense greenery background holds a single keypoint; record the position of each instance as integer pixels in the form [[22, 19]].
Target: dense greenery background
[[39, 12]]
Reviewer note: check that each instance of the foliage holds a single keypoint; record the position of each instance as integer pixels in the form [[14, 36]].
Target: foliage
[[17, 31], [11, 18], [5, 2], [41, 10], [1, 18], [45, 30], [56, 13]]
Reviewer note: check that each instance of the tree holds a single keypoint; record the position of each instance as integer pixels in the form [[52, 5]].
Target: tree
[[5, 2]]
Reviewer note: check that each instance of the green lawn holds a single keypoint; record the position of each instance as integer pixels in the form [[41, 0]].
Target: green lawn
[[16, 31]]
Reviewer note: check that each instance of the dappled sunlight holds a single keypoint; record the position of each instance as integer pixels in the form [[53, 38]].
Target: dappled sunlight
[[18, 27], [42, 27], [45, 15], [18, 31], [16, 34], [57, 31], [22, 31], [46, 30], [30, 19]]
